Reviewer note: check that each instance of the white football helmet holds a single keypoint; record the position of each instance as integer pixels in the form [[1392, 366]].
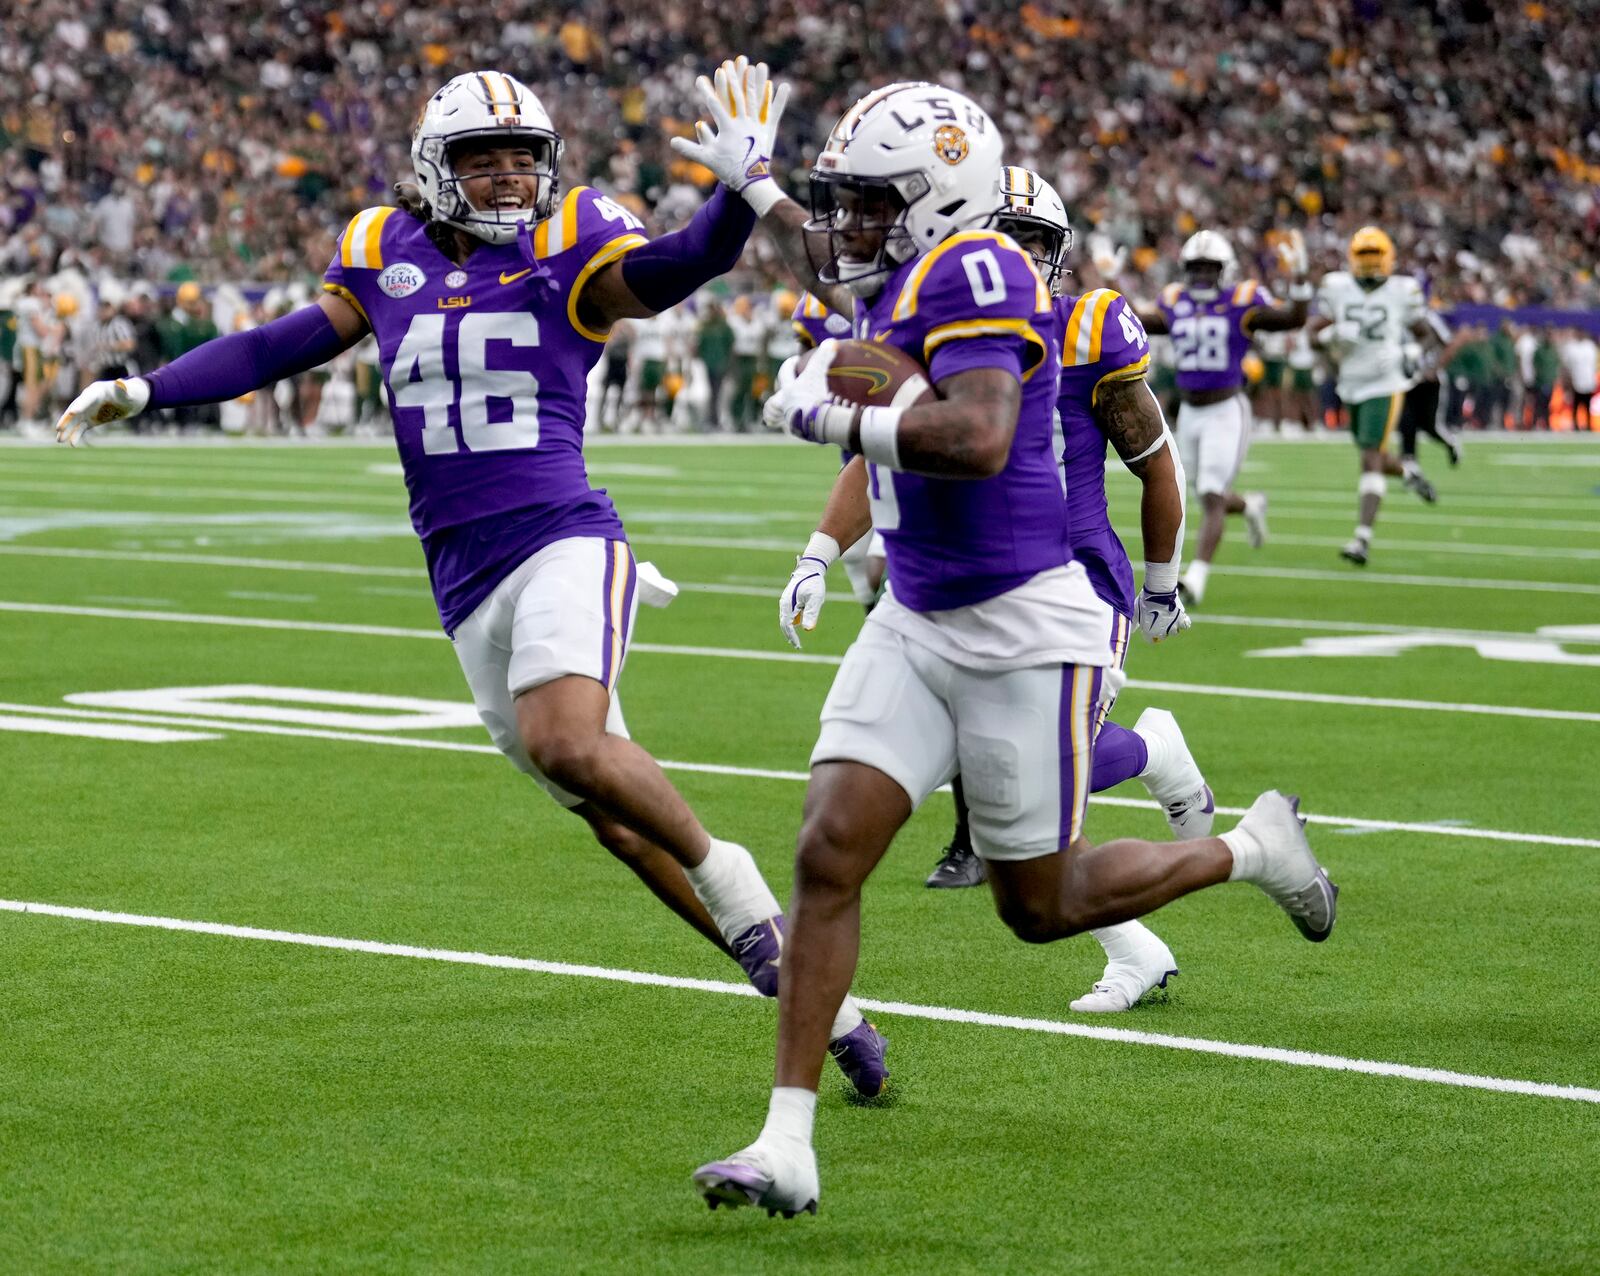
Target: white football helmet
[[1202, 247], [918, 163], [483, 104], [1030, 207]]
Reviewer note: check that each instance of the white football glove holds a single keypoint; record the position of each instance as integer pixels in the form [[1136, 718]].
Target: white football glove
[[1161, 615], [1292, 254], [1108, 257], [799, 403], [101, 403], [744, 109], [802, 598]]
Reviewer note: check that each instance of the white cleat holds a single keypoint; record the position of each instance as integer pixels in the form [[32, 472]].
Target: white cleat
[[1175, 780], [779, 1178], [1123, 983], [1255, 519], [1290, 874]]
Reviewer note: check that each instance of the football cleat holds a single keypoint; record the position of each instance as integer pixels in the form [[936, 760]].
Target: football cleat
[[1416, 481], [1175, 781], [1290, 874], [1193, 816], [1255, 519], [1355, 552], [758, 951], [1123, 983], [958, 866], [1452, 440], [781, 1182], [860, 1056]]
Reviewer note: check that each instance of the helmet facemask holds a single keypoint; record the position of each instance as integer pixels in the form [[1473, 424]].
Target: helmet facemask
[[486, 219], [1203, 277], [848, 212], [1047, 243]]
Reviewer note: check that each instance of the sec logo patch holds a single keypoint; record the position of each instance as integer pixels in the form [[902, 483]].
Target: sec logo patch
[[401, 279], [456, 279]]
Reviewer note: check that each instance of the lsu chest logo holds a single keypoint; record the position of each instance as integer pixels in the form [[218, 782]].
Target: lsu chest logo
[[950, 143], [400, 280]]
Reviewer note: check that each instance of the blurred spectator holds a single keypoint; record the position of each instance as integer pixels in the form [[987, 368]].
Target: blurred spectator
[[1546, 376], [714, 346], [749, 349], [165, 141], [1578, 358], [187, 325]]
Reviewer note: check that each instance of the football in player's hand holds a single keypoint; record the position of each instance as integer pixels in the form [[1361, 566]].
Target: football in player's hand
[[876, 375]]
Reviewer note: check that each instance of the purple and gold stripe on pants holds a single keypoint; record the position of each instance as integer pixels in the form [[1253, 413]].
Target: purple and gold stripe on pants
[[621, 576], [1120, 631], [1080, 700]]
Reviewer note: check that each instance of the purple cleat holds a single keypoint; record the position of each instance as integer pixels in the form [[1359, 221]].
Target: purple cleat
[[860, 1056], [758, 951]]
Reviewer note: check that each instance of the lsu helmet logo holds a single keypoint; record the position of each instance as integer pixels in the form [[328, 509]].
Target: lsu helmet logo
[[950, 144]]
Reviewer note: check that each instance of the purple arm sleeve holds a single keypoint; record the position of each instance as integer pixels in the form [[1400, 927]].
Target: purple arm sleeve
[[665, 271], [244, 361]]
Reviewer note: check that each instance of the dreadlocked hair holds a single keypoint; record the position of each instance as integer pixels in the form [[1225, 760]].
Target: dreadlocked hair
[[408, 195]]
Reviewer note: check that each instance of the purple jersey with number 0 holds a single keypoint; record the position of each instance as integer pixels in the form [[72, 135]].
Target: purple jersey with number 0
[[486, 367], [974, 301], [1210, 334], [1101, 340]]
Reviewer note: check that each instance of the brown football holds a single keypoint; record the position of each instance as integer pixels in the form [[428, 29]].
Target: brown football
[[877, 375]]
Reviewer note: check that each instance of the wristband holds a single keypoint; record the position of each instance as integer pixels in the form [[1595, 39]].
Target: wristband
[[763, 195], [879, 436], [1301, 290], [834, 423], [1160, 578], [823, 548]]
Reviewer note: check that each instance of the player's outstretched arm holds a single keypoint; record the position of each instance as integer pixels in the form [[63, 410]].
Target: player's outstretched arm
[[1292, 256], [224, 368], [745, 107], [845, 519], [1153, 319]]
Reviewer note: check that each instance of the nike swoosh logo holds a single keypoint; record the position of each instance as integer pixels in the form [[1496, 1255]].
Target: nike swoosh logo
[[511, 279]]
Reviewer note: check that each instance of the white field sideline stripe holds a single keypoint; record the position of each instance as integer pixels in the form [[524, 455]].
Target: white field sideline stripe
[[751, 773], [1398, 544], [696, 587], [941, 1014], [799, 658], [1510, 584]]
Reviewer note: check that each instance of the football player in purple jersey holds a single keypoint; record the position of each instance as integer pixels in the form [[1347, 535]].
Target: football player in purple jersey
[[988, 650], [491, 298], [1210, 320]]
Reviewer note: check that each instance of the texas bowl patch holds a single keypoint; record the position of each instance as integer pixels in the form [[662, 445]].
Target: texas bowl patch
[[401, 279]]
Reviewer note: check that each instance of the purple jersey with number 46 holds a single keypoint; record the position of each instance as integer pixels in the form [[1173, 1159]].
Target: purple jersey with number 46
[[486, 366], [1211, 335], [1101, 340], [974, 301]]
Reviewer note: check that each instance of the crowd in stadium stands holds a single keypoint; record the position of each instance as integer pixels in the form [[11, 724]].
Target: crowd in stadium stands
[[148, 143]]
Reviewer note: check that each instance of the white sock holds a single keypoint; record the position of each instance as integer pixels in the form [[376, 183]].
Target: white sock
[[846, 1021], [1249, 856], [1364, 532], [731, 887], [790, 1115], [1157, 754], [1195, 577], [1121, 942]]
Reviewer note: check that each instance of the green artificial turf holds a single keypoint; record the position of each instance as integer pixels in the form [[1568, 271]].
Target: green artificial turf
[[188, 1102]]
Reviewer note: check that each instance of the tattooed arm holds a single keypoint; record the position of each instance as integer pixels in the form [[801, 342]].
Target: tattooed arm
[[785, 224], [1130, 418], [967, 433]]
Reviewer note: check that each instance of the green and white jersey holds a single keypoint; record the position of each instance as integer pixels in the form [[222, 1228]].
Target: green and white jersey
[[1372, 326]]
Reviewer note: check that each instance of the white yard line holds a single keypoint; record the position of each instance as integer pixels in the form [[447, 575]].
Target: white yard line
[[794, 657], [1398, 544], [1357, 575], [690, 586], [940, 1014], [202, 723]]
